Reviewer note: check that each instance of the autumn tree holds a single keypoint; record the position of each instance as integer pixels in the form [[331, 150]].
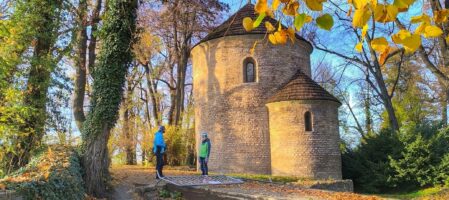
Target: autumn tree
[[179, 23], [36, 30]]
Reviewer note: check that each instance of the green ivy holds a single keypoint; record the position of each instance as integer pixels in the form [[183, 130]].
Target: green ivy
[[115, 57], [64, 180]]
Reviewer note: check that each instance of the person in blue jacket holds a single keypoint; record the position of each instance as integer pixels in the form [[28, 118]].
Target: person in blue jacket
[[159, 149]]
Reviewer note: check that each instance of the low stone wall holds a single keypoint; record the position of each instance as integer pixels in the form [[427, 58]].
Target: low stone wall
[[9, 195]]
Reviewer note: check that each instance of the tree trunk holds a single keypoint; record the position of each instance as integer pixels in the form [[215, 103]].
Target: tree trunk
[[153, 91], [367, 108], [80, 64], [109, 77], [95, 19], [127, 131]]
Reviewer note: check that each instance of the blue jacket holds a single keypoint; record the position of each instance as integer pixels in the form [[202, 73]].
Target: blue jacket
[[159, 141]]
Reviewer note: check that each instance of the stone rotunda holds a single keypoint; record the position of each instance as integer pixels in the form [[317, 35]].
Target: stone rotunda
[[263, 112]]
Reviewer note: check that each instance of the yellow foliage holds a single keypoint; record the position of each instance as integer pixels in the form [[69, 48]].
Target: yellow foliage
[[364, 31], [248, 24], [422, 18], [291, 8], [403, 5], [315, 5], [359, 47], [261, 6], [385, 13], [440, 16], [358, 4], [379, 44], [384, 55], [411, 42], [432, 31], [269, 26], [275, 4], [361, 17]]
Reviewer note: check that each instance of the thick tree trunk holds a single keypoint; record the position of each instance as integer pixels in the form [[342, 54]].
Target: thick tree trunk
[[80, 64], [109, 77]]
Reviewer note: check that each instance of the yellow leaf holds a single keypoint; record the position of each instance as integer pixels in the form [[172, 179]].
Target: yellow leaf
[[379, 44], [325, 21], [385, 13], [447, 39], [315, 5], [308, 18], [432, 31], [248, 24], [421, 28], [403, 5], [275, 4], [261, 6], [269, 26], [281, 37], [440, 16], [399, 37], [422, 18], [359, 47], [411, 42], [361, 17], [272, 39], [358, 4], [291, 8], [383, 56], [364, 31]]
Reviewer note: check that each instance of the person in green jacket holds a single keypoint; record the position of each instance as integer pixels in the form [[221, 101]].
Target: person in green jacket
[[204, 153]]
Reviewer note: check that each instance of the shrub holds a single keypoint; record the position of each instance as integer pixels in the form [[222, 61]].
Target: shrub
[[415, 156], [54, 174]]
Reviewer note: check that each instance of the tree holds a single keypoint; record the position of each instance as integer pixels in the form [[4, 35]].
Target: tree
[[179, 24], [117, 35], [42, 20]]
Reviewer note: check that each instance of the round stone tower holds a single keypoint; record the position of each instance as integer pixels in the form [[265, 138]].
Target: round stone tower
[[304, 135], [231, 87]]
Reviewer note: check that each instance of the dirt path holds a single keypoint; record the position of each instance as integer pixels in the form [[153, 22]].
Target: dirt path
[[126, 178]]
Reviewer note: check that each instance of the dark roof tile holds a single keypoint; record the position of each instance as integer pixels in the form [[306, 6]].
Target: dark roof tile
[[301, 87], [234, 26]]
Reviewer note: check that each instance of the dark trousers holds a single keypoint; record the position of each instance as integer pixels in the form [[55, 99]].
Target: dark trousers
[[159, 161], [203, 164]]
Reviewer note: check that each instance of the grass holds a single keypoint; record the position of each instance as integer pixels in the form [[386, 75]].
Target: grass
[[437, 192]]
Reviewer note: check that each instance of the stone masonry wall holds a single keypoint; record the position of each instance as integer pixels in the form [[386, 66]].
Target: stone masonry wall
[[234, 112], [309, 154]]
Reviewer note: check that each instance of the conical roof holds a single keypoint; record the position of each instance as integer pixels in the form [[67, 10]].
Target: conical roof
[[234, 25], [301, 87]]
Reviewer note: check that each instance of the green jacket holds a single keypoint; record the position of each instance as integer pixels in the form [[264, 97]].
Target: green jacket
[[205, 148]]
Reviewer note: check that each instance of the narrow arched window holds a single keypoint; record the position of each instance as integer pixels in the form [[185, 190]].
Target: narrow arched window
[[249, 71], [308, 121]]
